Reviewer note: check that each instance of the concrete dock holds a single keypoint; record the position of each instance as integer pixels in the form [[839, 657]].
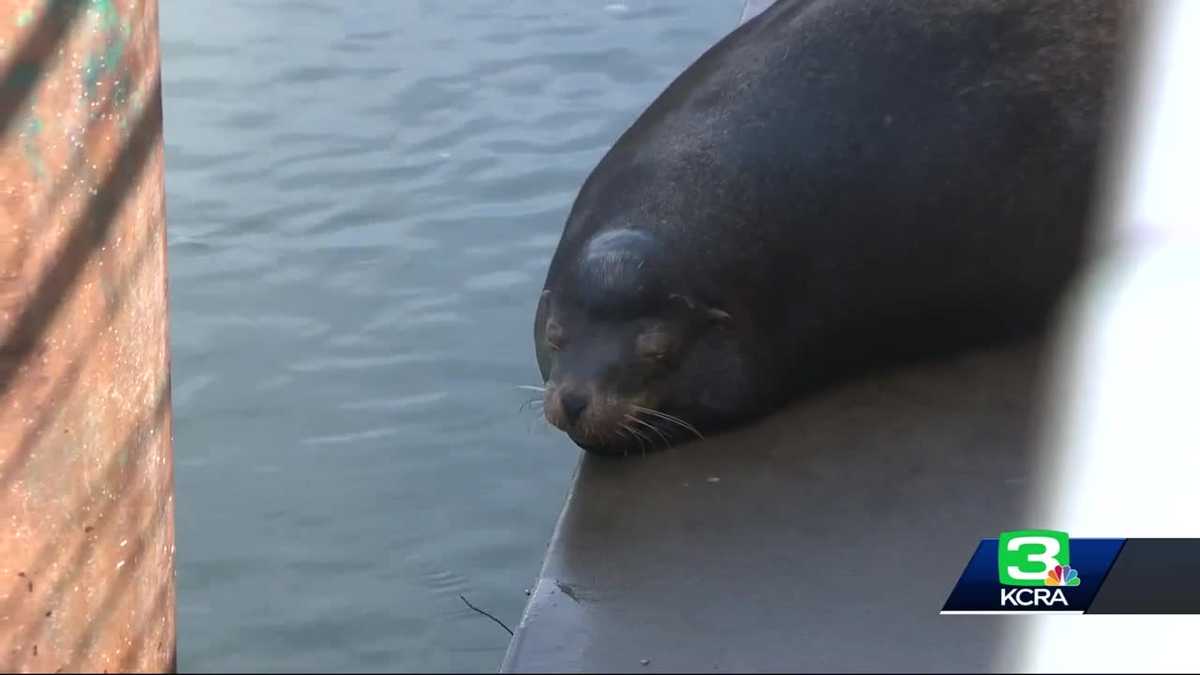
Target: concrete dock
[[825, 538]]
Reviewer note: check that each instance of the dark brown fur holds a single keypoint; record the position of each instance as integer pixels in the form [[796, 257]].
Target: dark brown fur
[[852, 183]]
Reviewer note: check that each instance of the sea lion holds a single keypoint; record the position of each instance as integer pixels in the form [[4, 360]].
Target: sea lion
[[834, 186]]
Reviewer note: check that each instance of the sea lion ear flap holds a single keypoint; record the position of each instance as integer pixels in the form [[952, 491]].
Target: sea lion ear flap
[[712, 313]]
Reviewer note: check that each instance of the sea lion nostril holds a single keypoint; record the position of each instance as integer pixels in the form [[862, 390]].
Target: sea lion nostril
[[573, 404]]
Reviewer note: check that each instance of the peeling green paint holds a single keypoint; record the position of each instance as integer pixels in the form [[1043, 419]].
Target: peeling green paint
[[137, 104], [107, 58], [29, 145]]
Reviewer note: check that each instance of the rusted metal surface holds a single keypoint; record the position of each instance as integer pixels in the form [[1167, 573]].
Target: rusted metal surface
[[86, 506]]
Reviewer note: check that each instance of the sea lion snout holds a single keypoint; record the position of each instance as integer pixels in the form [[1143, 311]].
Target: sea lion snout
[[573, 403], [591, 418]]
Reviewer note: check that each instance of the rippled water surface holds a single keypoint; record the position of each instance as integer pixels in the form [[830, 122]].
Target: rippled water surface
[[363, 197]]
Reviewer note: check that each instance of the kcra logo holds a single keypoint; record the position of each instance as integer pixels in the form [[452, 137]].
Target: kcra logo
[[1038, 564], [1040, 572], [1032, 597]]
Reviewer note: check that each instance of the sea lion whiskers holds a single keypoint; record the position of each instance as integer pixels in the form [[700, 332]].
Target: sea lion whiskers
[[635, 419], [670, 418], [642, 439], [537, 405], [624, 450]]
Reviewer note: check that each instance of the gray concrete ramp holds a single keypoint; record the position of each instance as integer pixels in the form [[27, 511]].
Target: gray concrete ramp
[[825, 538]]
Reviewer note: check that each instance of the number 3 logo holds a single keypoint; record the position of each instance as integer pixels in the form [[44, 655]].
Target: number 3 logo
[[1025, 557]]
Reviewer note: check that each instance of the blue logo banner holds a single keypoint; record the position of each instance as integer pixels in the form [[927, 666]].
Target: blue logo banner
[[1035, 571]]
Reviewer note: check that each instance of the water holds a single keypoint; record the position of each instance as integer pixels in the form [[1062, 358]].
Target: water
[[363, 197]]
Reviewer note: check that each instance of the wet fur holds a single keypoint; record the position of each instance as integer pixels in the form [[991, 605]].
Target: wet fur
[[859, 183]]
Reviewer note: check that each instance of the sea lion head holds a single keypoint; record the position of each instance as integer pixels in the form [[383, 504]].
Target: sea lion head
[[627, 349]]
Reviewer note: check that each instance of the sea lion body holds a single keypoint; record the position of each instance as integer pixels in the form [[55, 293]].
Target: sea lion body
[[833, 186]]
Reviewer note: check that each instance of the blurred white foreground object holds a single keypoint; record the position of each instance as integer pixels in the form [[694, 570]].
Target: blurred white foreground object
[[1122, 448]]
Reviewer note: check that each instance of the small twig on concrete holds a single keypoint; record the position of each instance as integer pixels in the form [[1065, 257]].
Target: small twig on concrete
[[460, 597]]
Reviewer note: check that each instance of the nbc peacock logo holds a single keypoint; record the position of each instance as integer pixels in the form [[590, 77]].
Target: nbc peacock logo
[[1062, 575]]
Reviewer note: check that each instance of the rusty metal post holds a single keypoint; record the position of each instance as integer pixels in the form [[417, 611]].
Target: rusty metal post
[[86, 502]]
